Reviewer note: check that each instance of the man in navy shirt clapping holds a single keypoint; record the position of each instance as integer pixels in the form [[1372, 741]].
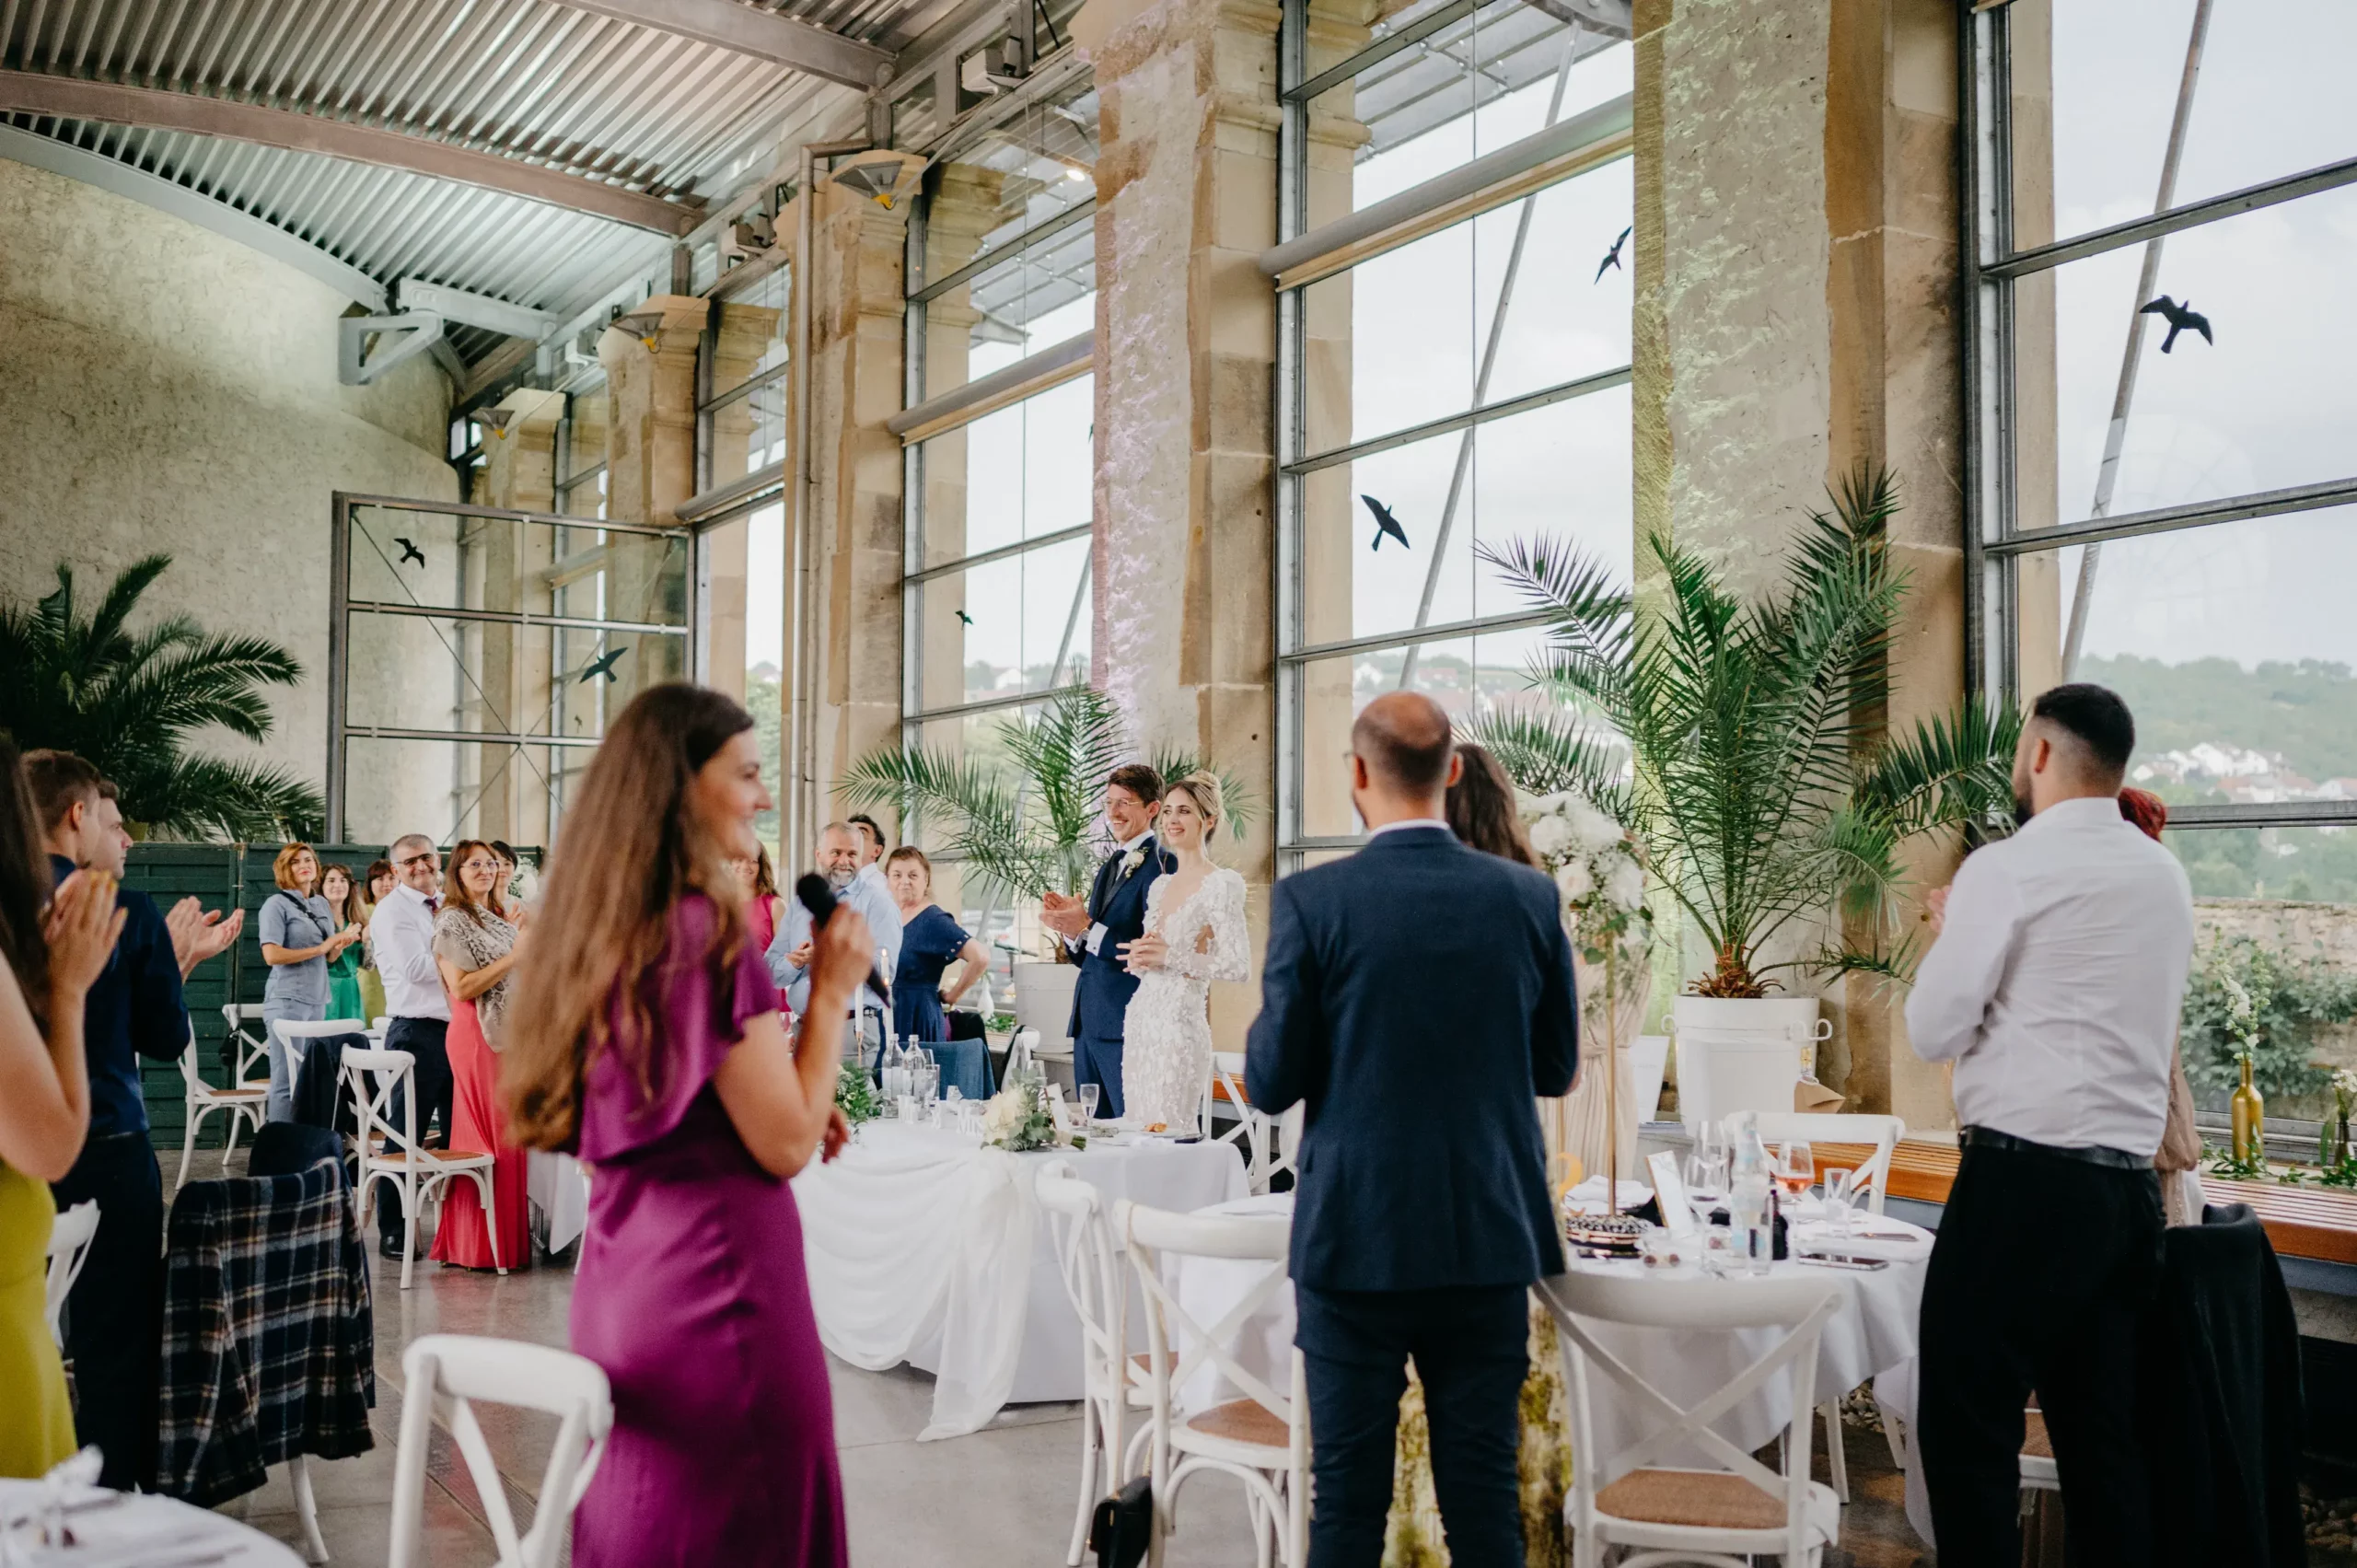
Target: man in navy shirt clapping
[[114, 1317]]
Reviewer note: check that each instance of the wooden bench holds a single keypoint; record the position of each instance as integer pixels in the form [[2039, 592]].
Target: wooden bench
[[2315, 1223]]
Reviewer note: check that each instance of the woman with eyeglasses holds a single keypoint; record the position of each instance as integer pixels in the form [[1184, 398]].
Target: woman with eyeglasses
[[300, 938], [475, 946]]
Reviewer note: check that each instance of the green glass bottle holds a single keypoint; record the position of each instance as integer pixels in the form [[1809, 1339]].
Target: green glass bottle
[[2250, 1120]]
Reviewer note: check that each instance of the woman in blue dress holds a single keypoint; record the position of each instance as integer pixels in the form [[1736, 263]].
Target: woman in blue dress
[[930, 941]]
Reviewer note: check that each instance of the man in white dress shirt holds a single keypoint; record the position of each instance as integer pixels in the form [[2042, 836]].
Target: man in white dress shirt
[[400, 936], [2054, 987]]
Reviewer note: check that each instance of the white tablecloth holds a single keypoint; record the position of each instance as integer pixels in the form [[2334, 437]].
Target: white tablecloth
[[147, 1531], [924, 1247], [561, 1192], [1874, 1332]]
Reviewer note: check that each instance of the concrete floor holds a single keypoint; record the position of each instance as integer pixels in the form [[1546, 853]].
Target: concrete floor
[[1001, 1498]]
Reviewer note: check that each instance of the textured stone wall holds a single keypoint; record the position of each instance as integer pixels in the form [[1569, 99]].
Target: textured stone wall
[[168, 389]]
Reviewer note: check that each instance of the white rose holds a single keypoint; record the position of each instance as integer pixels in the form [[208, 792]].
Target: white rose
[[1626, 886], [1001, 1117], [1594, 828], [1544, 806], [1575, 880], [1551, 836]]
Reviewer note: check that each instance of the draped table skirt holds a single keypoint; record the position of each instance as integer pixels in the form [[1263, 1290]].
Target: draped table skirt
[[927, 1248]]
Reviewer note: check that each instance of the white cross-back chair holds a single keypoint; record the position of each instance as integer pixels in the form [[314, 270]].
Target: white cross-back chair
[[391, 1154], [253, 1049], [69, 1249], [243, 1104], [296, 1037], [1883, 1133], [454, 1372], [1113, 1382], [1676, 1512], [1262, 1439], [1268, 1141]]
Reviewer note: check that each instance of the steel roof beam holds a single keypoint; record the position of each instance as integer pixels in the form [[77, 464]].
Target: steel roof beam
[[67, 98], [764, 35]]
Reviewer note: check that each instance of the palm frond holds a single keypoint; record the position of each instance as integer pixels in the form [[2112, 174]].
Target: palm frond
[[1954, 771], [1546, 753]]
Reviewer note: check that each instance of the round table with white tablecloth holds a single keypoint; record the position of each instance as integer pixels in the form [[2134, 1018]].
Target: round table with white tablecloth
[[925, 1248], [1874, 1332], [118, 1530]]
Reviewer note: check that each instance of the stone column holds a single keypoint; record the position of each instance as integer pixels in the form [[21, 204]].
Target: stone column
[[650, 468], [1185, 421], [520, 473], [855, 509], [1796, 276]]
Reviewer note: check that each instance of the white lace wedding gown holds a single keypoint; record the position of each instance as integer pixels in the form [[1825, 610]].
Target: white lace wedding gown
[[1166, 1050]]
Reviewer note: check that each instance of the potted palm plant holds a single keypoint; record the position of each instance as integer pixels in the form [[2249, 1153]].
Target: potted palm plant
[[1025, 822], [80, 679], [1742, 741]]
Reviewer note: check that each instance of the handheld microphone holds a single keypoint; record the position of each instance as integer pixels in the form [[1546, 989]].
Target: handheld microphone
[[810, 891]]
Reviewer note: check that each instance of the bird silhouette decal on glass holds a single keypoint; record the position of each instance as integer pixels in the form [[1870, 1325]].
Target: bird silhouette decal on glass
[[2181, 318], [410, 550], [603, 665], [1385, 523], [965, 618], [1612, 257]]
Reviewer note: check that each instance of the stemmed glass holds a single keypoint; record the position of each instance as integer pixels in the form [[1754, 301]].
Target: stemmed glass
[[1089, 1095], [1706, 1174], [1840, 1192], [1795, 1170]]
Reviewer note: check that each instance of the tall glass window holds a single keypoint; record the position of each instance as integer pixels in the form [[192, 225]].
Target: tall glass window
[[1455, 365], [2164, 483]]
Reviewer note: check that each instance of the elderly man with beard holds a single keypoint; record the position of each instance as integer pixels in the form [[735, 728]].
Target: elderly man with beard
[[842, 854]]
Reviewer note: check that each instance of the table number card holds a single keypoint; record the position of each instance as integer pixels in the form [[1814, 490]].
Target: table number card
[[1669, 1193], [1058, 1112]]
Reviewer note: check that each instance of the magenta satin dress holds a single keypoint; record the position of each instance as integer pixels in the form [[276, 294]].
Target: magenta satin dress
[[693, 1296]]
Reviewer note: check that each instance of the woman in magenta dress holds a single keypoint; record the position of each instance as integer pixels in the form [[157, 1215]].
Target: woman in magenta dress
[[475, 949], [645, 1036]]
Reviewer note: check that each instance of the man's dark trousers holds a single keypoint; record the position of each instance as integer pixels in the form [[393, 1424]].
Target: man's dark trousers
[[114, 1320], [2038, 1280], [1469, 1344], [427, 1040]]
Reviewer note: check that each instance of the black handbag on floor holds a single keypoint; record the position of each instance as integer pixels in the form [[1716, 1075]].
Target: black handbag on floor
[[1118, 1533]]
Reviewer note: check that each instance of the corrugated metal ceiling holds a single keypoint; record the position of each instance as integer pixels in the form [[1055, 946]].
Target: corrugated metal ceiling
[[531, 80]]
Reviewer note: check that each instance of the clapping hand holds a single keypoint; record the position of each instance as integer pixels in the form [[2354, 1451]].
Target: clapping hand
[[199, 934], [1063, 914], [1146, 954], [1935, 909], [81, 927]]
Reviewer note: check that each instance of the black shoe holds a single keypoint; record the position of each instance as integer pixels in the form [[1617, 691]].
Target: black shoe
[[391, 1246]]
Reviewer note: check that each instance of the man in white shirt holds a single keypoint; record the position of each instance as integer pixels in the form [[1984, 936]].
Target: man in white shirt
[[2054, 986], [400, 936], [841, 852]]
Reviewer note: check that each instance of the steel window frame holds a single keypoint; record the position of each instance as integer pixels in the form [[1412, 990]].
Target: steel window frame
[[1993, 541]]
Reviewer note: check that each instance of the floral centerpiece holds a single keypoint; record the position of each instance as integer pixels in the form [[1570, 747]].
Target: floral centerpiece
[[856, 1096], [1018, 1120], [1599, 872]]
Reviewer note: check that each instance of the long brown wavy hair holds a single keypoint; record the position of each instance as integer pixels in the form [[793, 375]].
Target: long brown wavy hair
[[455, 894], [24, 885], [628, 853], [1481, 808]]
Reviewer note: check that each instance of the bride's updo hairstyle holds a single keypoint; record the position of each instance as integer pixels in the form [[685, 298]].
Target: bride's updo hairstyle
[[1203, 788]]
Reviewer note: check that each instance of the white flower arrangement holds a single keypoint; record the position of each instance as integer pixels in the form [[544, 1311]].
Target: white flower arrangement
[[1600, 872]]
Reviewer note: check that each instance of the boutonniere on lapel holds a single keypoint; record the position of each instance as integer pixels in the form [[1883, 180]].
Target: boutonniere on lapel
[[1131, 860]]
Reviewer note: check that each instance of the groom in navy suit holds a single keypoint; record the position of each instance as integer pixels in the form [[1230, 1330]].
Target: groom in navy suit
[[1417, 997], [1095, 933]]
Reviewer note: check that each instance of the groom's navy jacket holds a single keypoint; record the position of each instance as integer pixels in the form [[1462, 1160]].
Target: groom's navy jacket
[[1418, 998], [1100, 998]]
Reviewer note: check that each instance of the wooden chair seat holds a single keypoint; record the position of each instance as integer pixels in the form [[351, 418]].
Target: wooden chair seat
[[243, 1092], [433, 1156], [1702, 1499], [1241, 1421]]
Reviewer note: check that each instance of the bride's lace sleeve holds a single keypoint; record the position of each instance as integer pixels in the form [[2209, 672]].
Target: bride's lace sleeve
[[1230, 957]]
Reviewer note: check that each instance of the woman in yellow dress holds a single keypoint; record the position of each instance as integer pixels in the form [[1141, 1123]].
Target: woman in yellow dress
[[53, 955]]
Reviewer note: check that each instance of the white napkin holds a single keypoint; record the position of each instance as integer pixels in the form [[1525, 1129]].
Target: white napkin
[[1885, 1241], [1587, 1198]]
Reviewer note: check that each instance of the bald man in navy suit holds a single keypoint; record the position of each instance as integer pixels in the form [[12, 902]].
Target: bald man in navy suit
[[1417, 998]]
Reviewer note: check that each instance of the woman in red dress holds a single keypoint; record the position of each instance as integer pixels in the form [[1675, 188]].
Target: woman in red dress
[[475, 947]]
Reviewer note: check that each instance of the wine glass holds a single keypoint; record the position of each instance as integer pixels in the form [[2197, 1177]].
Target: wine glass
[[1089, 1095], [1795, 1170], [1841, 1190], [1706, 1180]]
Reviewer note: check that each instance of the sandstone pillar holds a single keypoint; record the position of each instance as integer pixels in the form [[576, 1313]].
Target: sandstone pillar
[[1185, 421], [650, 468]]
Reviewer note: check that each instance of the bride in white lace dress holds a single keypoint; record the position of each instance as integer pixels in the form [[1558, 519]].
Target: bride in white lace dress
[[1194, 935]]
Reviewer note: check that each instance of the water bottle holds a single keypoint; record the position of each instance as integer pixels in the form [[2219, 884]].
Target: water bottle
[[1751, 1197]]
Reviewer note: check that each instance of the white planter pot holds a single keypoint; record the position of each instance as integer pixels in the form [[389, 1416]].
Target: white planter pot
[[1043, 1000], [1740, 1053]]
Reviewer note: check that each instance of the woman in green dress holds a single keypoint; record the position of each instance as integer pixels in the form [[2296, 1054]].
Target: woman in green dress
[[343, 898], [51, 956]]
